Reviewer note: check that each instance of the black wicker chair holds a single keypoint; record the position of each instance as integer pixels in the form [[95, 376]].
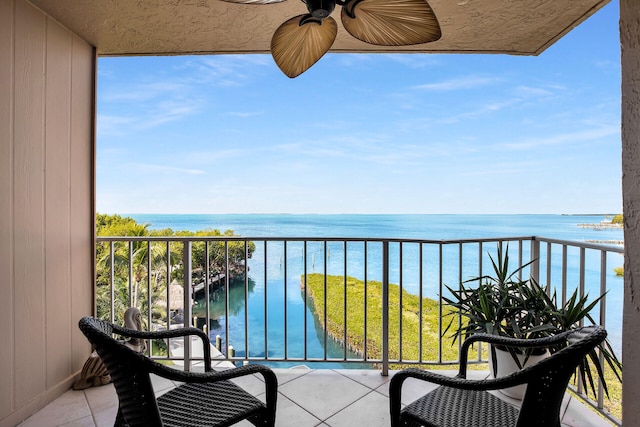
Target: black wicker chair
[[460, 402], [205, 399]]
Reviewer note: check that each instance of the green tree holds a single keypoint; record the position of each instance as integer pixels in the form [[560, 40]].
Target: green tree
[[155, 264]]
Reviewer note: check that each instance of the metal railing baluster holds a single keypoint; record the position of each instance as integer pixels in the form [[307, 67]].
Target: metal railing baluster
[[149, 296], [306, 276], [324, 302], [266, 309], [564, 273], [400, 283], [440, 288], [603, 319], [130, 271], [366, 286], [286, 330], [420, 304], [186, 263], [111, 282], [246, 300], [385, 308], [346, 305]]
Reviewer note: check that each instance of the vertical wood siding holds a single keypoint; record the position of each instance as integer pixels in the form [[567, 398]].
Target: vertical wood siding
[[6, 209], [28, 203], [46, 206]]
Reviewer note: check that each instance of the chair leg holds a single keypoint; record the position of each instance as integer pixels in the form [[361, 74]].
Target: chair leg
[[262, 420], [120, 421]]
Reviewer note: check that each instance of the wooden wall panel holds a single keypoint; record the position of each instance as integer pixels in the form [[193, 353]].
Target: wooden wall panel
[[28, 211], [82, 206], [47, 95], [57, 203], [6, 208]]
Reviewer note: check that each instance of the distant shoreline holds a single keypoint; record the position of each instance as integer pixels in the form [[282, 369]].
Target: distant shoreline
[[607, 242], [602, 226]]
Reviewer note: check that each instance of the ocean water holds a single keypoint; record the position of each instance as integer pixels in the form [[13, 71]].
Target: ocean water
[[387, 226], [276, 289]]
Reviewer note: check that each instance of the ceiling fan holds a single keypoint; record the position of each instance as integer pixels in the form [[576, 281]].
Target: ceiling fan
[[302, 40]]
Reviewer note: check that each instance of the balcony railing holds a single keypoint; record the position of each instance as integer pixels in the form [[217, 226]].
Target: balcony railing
[[255, 294]]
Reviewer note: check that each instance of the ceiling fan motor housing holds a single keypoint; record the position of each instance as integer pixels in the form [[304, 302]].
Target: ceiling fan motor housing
[[320, 8]]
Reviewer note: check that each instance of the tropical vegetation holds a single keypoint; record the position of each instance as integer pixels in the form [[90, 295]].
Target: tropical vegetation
[[155, 266]]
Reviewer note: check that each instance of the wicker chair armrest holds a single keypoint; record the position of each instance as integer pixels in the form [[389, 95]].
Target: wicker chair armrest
[[170, 333], [270, 379], [211, 376], [507, 342], [514, 379], [518, 342]]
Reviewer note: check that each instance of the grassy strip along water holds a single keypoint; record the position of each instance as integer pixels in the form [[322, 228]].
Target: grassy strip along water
[[354, 335]]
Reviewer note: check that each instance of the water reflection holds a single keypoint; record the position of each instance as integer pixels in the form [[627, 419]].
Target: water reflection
[[217, 304], [273, 342]]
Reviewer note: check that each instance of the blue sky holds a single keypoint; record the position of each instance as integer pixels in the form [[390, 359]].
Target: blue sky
[[366, 133]]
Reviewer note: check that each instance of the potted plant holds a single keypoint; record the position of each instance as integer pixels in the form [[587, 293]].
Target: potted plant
[[506, 305]]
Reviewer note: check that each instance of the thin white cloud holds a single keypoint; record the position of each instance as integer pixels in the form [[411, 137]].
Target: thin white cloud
[[480, 110], [501, 169], [360, 60], [228, 70], [564, 138], [413, 60], [166, 169], [214, 156], [246, 114], [529, 91], [113, 125], [469, 82], [168, 112], [145, 92], [148, 116]]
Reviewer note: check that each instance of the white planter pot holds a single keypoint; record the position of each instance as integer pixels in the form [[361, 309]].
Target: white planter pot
[[506, 365]]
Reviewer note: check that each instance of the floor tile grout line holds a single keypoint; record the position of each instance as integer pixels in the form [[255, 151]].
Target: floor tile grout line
[[93, 416], [566, 409], [361, 383], [301, 407], [293, 379], [348, 406]]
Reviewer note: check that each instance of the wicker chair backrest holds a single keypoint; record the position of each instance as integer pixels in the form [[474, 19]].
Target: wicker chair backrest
[[130, 377], [548, 379]]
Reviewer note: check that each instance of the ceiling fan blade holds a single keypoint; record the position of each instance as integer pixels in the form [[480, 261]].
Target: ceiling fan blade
[[391, 22], [296, 47], [254, 1]]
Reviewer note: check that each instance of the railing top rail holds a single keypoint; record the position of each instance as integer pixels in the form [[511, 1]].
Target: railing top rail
[[307, 239], [586, 245]]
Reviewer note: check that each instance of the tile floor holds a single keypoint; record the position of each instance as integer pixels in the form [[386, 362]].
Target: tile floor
[[307, 398]]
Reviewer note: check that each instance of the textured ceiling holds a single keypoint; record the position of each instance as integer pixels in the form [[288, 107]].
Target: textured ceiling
[[134, 27]]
